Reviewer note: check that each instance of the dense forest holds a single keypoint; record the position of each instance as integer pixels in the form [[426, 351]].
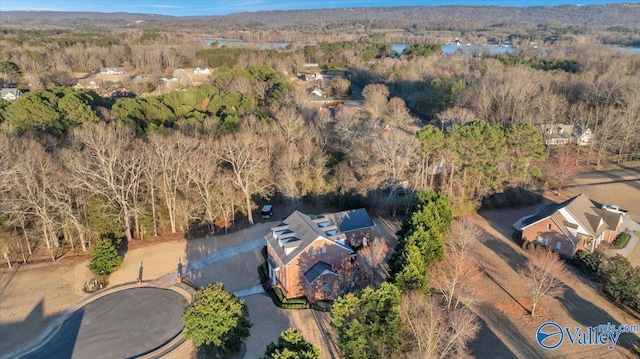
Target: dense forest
[[76, 164]]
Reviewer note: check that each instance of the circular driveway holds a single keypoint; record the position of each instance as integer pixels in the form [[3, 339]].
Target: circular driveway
[[123, 324]]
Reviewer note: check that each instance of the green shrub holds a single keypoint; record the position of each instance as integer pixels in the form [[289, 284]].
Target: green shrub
[[281, 302], [531, 246], [322, 306], [587, 262], [621, 240], [263, 272]]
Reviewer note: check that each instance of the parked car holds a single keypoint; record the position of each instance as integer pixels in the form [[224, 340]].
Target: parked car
[[267, 211], [615, 209]]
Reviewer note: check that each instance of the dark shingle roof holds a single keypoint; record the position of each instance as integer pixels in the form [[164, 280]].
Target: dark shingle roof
[[316, 271], [300, 231], [352, 220], [544, 212]]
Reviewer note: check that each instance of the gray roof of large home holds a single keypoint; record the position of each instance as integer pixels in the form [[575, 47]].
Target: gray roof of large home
[[317, 270], [351, 220], [298, 231]]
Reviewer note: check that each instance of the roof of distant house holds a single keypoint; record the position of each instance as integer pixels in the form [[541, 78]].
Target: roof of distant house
[[8, 90]]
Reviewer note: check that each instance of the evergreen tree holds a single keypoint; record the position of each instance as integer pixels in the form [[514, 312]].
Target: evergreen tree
[[421, 239], [291, 345], [412, 271], [216, 321], [104, 256], [369, 324], [622, 281]]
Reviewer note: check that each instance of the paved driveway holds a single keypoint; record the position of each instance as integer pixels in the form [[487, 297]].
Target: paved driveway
[[630, 226], [123, 324]]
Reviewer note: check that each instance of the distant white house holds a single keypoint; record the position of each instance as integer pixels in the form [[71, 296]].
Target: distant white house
[[202, 70], [311, 64], [10, 94], [558, 134], [318, 92], [111, 70]]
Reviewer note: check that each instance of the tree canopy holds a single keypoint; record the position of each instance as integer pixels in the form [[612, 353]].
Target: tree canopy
[[368, 324], [216, 321], [291, 345]]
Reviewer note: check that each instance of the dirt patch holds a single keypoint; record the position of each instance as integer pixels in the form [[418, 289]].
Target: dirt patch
[[518, 310]]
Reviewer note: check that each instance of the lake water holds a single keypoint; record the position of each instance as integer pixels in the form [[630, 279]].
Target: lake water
[[447, 49], [262, 45]]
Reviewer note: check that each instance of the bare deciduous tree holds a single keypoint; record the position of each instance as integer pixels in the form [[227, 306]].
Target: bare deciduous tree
[[563, 166], [456, 277], [374, 254], [432, 332], [397, 112], [169, 159], [543, 274], [376, 97], [247, 158], [107, 165]]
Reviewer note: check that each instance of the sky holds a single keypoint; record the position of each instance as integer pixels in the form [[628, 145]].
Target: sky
[[223, 7]]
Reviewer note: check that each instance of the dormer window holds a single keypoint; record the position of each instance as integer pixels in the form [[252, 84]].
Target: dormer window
[[324, 249], [323, 224], [314, 251], [332, 232]]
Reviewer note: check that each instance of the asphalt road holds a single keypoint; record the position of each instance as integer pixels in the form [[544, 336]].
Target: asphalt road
[[120, 325], [619, 174]]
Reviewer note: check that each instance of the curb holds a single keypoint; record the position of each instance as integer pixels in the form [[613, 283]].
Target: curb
[[55, 324]]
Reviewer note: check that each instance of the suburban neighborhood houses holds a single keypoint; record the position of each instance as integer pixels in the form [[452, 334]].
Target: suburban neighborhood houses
[[572, 225], [181, 180], [308, 255]]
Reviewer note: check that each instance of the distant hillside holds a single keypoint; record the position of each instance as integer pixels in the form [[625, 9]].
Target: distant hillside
[[593, 15], [19, 16], [627, 15]]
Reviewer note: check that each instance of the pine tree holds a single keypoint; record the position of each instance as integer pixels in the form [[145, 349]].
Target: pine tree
[[216, 321], [104, 256], [291, 345]]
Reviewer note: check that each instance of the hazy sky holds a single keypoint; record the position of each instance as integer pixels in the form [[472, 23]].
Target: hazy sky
[[222, 7]]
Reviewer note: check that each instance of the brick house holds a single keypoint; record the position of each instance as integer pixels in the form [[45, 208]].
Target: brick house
[[572, 225], [305, 254]]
